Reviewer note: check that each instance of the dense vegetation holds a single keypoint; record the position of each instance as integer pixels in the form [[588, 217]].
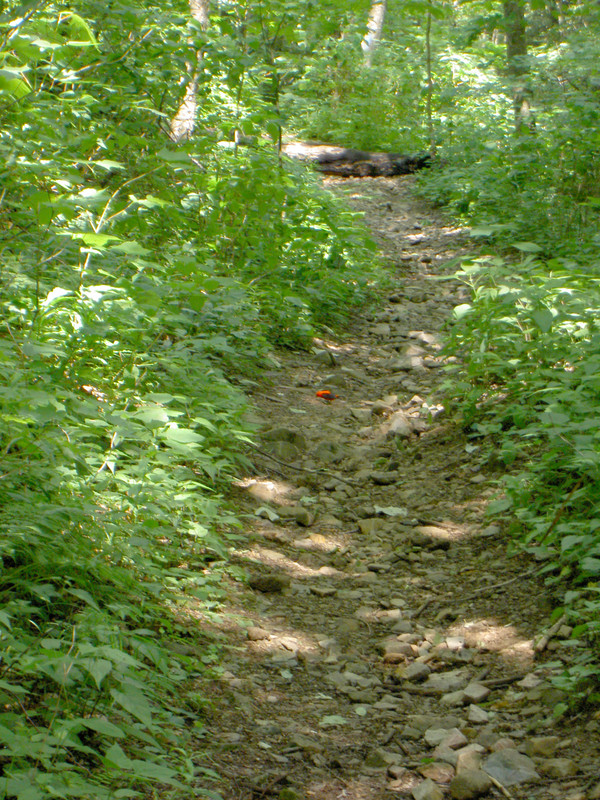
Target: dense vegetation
[[144, 280]]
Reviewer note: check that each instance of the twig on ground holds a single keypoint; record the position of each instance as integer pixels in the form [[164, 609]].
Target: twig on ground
[[423, 606], [545, 640], [500, 787], [495, 586], [322, 472]]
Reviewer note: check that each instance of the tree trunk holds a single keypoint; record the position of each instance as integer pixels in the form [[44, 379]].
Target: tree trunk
[[517, 63], [184, 121], [374, 30]]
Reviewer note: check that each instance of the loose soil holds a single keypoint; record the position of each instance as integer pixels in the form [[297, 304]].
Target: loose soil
[[385, 639]]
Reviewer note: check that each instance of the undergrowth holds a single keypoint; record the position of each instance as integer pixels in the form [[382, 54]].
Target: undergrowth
[[140, 281]]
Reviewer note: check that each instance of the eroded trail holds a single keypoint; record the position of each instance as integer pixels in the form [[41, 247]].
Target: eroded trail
[[384, 646]]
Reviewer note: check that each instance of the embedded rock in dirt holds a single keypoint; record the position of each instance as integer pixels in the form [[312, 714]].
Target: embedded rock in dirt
[[469, 784], [428, 790], [510, 768]]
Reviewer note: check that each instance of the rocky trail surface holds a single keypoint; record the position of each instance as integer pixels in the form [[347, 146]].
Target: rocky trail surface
[[386, 643]]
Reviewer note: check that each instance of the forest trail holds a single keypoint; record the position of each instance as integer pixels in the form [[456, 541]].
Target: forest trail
[[384, 645]]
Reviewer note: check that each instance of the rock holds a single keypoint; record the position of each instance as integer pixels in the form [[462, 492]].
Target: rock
[[544, 746], [510, 768], [469, 757], [475, 692], [503, 744], [338, 381], [305, 743], [323, 591], [477, 716], [444, 753], [325, 357], [558, 767], [438, 771], [382, 329], [371, 525], [417, 671], [329, 451], [269, 584], [257, 634], [453, 698], [450, 681], [385, 478], [399, 424], [470, 783], [452, 738], [282, 434], [427, 790], [376, 760], [395, 651], [300, 514]]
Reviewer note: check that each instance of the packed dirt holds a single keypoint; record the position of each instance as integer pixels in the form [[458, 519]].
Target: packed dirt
[[386, 642]]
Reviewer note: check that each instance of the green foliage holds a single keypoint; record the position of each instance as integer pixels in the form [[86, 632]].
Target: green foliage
[[531, 350], [138, 279]]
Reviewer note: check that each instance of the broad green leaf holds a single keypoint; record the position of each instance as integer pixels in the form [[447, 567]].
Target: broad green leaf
[[543, 318], [135, 703], [527, 247], [182, 436], [12, 84], [98, 668], [103, 726], [462, 310]]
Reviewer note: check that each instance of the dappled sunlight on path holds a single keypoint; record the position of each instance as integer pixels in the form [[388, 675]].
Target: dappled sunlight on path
[[383, 643]]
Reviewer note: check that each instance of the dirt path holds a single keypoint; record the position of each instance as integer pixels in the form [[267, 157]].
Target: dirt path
[[384, 646]]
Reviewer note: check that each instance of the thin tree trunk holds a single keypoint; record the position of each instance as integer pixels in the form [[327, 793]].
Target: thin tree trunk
[[429, 99], [374, 30], [517, 63], [184, 121]]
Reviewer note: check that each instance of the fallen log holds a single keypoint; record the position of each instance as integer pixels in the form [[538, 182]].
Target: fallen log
[[349, 163]]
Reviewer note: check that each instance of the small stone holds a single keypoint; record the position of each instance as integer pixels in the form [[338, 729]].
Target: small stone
[[503, 744], [395, 651], [325, 357], [269, 584], [544, 746], [558, 767], [470, 783], [476, 692], [438, 771], [399, 424], [396, 771], [385, 478], [257, 634], [450, 681], [427, 790], [452, 738], [453, 698], [477, 716], [323, 591], [371, 525], [376, 760], [510, 767], [417, 671], [469, 757], [381, 409], [443, 753]]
